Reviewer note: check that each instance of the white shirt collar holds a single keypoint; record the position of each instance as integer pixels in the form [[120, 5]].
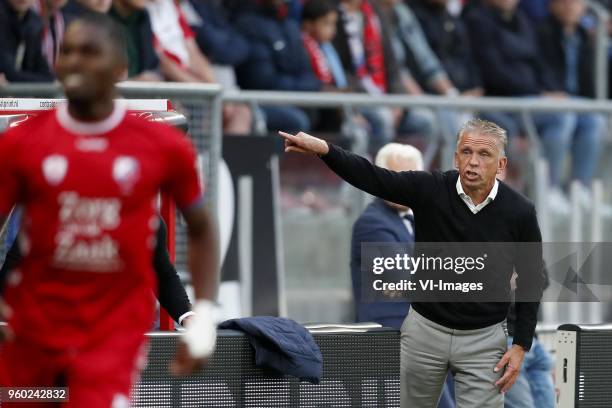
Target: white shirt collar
[[468, 201], [406, 212], [91, 128]]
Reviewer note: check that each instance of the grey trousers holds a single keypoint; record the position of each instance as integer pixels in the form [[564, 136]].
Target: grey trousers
[[429, 350]]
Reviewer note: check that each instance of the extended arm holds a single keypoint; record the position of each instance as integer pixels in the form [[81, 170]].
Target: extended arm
[[410, 188]]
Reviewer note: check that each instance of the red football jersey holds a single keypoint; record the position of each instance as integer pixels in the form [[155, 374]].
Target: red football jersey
[[89, 195]]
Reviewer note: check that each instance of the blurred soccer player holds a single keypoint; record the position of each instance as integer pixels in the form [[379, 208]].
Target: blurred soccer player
[[87, 176]]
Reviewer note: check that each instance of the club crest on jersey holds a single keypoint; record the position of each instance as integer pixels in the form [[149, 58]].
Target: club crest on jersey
[[126, 172], [54, 169]]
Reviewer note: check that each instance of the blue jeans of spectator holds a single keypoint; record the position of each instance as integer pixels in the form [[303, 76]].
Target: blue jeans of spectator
[[510, 123], [556, 131], [583, 143], [586, 145], [534, 387], [381, 127], [287, 118], [420, 122]]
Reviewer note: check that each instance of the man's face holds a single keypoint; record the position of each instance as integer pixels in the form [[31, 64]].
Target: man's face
[[21, 6], [504, 5], [568, 12], [478, 159], [88, 65], [324, 28], [101, 6]]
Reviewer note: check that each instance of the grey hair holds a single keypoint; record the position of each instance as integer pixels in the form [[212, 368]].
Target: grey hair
[[397, 151], [485, 127]]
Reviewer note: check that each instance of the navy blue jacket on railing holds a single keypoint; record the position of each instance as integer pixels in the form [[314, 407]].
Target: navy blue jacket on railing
[[281, 344]]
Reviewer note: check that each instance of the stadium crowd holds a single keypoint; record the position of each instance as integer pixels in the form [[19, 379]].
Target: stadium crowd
[[527, 49]]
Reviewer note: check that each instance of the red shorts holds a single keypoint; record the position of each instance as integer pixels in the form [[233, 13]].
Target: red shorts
[[98, 377]]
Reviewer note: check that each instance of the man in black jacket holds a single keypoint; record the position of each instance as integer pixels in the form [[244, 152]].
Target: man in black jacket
[[143, 63], [468, 205], [171, 293], [567, 50], [21, 58], [507, 51], [560, 35]]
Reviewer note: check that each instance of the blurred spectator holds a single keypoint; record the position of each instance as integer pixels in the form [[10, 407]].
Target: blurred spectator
[[567, 48], [364, 45], [448, 37], [54, 25], [215, 35], [179, 56], [415, 56], [278, 61], [534, 386], [413, 50], [21, 57], [384, 221], [225, 48], [143, 63], [182, 61], [319, 19], [510, 61]]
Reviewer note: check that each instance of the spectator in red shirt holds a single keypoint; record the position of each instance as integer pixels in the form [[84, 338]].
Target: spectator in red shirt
[[182, 61]]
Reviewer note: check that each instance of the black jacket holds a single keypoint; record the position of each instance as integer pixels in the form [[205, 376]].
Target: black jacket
[[147, 57], [171, 293], [21, 58], [278, 60], [216, 36], [551, 45], [448, 38], [508, 54]]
